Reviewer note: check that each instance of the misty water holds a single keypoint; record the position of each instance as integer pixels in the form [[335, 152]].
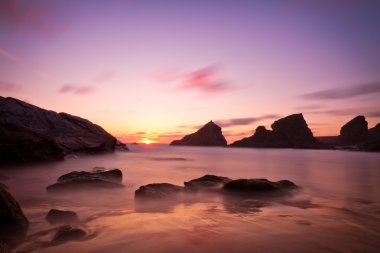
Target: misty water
[[336, 210]]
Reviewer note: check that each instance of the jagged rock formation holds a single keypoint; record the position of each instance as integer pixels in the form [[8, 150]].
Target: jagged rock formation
[[354, 132], [209, 135], [29, 133], [289, 132]]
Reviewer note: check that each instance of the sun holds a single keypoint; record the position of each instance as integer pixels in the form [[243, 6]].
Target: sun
[[146, 141]]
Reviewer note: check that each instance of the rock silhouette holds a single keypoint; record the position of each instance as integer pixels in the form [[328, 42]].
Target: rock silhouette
[[289, 132], [13, 223], [209, 135], [354, 132], [55, 216], [29, 133]]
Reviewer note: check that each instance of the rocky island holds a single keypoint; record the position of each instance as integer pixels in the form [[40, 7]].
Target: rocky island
[[289, 132], [209, 135]]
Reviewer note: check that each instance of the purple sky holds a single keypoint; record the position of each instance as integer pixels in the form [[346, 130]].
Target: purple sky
[[156, 69]]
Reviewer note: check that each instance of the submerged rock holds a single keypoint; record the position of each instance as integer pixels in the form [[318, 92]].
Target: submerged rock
[[13, 223], [289, 132], [68, 233], [158, 191], [209, 135], [113, 175], [55, 216], [84, 180], [259, 186], [354, 132], [29, 133], [206, 182]]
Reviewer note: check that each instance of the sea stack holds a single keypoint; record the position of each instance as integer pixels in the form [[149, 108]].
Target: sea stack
[[209, 135], [29, 133], [289, 132], [354, 132]]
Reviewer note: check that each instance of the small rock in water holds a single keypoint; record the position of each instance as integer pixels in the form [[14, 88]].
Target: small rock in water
[[97, 179], [206, 182], [259, 186], [158, 191], [57, 216], [68, 233]]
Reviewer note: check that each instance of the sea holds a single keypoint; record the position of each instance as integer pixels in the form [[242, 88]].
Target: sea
[[335, 209]]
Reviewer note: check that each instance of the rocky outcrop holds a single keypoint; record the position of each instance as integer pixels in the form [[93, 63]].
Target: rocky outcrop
[[375, 132], [206, 182], [209, 135], [29, 133], [289, 132], [84, 180], [258, 186], [55, 216], [68, 233], [120, 146], [158, 191], [13, 223], [354, 132]]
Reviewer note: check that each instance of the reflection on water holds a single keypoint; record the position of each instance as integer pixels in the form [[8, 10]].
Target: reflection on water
[[337, 209]]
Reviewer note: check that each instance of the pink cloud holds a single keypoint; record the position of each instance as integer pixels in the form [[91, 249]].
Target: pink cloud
[[76, 89], [8, 86], [21, 15]]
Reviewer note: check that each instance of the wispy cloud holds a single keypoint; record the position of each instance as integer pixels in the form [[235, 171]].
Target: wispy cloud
[[41, 16], [9, 56], [348, 112], [76, 89], [8, 86], [245, 121], [342, 93], [205, 80], [236, 121]]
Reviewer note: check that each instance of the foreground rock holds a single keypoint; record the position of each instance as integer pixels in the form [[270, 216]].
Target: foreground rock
[[259, 186], [55, 216], [158, 191], [206, 182], [29, 133], [13, 223], [209, 135], [68, 233], [3, 247], [289, 132], [85, 180]]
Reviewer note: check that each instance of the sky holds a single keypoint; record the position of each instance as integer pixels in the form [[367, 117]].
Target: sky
[[153, 71]]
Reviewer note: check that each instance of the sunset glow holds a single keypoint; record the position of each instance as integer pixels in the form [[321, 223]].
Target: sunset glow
[[169, 67]]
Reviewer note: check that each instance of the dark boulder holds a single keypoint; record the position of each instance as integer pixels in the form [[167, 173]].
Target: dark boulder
[[206, 182], [158, 191], [258, 186], [68, 233], [13, 223], [354, 132], [29, 133], [289, 132], [55, 216], [113, 175], [83, 180], [4, 247], [209, 135]]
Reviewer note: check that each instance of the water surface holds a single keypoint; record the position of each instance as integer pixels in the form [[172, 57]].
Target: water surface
[[337, 209]]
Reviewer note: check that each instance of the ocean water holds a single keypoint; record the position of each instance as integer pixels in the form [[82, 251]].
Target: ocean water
[[337, 208]]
